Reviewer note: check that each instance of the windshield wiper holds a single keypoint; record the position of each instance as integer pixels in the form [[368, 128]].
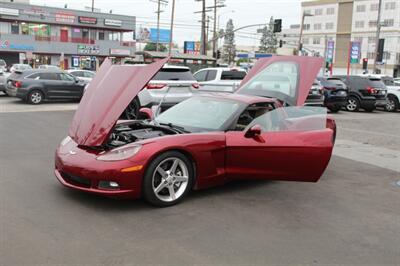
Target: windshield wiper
[[179, 128]]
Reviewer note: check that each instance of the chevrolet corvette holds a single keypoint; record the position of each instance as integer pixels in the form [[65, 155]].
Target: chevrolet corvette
[[204, 141]]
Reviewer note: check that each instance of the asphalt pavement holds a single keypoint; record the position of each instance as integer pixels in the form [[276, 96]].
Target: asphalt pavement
[[350, 217]]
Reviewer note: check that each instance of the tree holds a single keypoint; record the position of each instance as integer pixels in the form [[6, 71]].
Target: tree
[[151, 46], [229, 48], [269, 40]]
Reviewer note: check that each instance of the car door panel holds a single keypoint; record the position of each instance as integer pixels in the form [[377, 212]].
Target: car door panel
[[286, 155]]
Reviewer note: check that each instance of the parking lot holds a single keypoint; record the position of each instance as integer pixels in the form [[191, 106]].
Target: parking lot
[[351, 216]]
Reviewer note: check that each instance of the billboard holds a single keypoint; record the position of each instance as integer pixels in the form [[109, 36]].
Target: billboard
[[329, 52], [164, 35], [191, 47], [355, 52]]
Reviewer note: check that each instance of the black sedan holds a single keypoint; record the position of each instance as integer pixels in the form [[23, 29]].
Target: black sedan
[[36, 86]]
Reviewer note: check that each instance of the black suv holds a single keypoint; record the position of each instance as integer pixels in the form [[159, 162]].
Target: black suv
[[364, 92], [335, 92], [35, 86]]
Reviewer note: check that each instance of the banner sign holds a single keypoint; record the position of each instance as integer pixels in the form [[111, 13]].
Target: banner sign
[[87, 20], [355, 52], [65, 17], [112, 22], [190, 47], [88, 49], [330, 50]]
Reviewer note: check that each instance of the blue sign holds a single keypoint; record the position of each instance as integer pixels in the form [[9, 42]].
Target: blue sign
[[355, 52], [330, 50], [13, 46], [242, 55], [188, 46], [163, 37], [257, 55]]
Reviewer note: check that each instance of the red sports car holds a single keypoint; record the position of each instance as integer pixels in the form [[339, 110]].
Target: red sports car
[[204, 141]]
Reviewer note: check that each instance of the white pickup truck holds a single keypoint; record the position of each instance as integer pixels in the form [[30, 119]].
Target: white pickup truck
[[219, 79]]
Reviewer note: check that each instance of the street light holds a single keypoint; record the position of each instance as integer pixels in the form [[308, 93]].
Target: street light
[[301, 30]]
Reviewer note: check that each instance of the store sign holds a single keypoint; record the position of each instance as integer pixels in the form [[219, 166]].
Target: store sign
[[330, 50], [355, 52], [64, 17], [112, 22], [9, 11], [87, 20], [123, 52], [36, 12], [88, 49], [191, 47], [13, 46]]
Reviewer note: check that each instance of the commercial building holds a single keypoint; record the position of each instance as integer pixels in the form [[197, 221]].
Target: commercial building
[[338, 22], [59, 36]]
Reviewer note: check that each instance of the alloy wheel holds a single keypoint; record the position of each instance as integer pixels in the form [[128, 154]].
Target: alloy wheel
[[170, 179], [351, 105], [390, 105], [36, 97]]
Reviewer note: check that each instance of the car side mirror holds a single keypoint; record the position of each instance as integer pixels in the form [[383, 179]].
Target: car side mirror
[[146, 112], [253, 132]]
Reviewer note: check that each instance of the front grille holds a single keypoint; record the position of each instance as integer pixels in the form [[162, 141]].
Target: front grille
[[76, 180]]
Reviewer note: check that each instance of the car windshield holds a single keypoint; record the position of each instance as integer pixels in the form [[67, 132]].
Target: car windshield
[[201, 114]]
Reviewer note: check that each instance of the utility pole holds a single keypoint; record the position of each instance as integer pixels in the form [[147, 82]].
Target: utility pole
[[300, 45], [378, 31], [203, 28], [159, 11], [92, 5], [172, 28], [217, 4]]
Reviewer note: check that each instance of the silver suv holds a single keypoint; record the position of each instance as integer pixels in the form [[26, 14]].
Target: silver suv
[[171, 85]]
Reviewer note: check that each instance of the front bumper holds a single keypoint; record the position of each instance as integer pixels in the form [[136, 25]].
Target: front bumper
[[79, 169]]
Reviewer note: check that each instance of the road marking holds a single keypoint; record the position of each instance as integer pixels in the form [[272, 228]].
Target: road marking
[[367, 153]]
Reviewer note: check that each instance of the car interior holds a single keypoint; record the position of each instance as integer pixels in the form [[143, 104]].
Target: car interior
[[253, 113]]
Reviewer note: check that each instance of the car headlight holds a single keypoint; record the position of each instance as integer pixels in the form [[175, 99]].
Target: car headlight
[[65, 141], [120, 153]]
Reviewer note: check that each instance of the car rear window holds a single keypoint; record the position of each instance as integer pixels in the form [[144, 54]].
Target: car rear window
[[336, 82], [174, 74], [233, 75], [376, 83]]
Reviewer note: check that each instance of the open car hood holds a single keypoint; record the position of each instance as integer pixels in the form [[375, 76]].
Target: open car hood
[[106, 97], [287, 78]]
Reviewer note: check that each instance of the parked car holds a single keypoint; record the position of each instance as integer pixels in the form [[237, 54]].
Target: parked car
[[3, 80], [49, 67], [219, 78], [172, 84], [20, 67], [396, 81], [36, 86], [315, 95], [3, 65], [85, 75], [204, 141], [335, 93], [364, 92]]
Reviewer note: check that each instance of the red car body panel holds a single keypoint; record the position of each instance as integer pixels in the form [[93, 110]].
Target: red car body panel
[[106, 97], [296, 155], [308, 70]]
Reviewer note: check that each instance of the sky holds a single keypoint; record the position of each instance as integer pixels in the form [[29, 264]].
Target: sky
[[242, 12]]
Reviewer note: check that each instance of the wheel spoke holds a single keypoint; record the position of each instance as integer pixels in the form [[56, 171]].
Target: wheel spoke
[[160, 187], [171, 192], [174, 165], [180, 178], [161, 172]]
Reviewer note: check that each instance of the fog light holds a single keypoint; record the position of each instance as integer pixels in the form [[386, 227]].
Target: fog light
[[108, 185]]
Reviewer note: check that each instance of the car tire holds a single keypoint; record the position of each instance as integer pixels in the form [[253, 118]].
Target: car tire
[[334, 109], [353, 104], [132, 110], [35, 97], [392, 104], [168, 179]]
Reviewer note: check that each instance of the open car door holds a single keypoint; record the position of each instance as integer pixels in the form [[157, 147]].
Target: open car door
[[287, 78], [288, 143]]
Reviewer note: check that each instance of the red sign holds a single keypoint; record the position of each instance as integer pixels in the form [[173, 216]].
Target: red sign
[[65, 17], [87, 20]]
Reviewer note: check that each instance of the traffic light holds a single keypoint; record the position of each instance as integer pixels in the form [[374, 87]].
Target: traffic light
[[277, 25], [281, 42], [218, 54], [365, 63]]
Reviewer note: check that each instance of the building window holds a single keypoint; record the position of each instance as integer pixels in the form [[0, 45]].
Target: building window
[[39, 30], [317, 26], [360, 8], [374, 7], [329, 25], [318, 12], [101, 35], [307, 11], [371, 40], [371, 55], [14, 28], [372, 23], [359, 24], [390, 5], [316, 40], [306, 26], [330, 11], [388, 22]]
